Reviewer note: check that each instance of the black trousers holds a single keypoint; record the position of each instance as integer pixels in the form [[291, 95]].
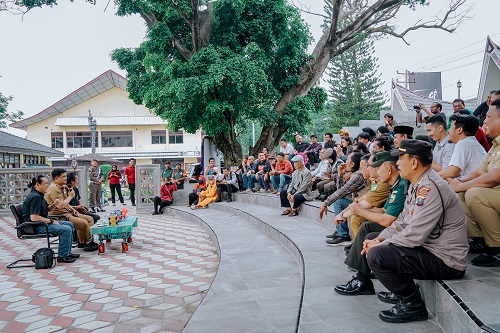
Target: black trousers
[[161, 203], [193, 198], [396, 267], [229, 188], [298, 199], [313, 158], [354, 258], [118, 189], [132, 193], [93, 215]]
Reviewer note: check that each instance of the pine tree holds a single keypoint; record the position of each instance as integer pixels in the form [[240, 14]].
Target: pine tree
[[354, 86]]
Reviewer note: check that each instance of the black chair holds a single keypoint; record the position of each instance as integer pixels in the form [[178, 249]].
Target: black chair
[[26, 230]]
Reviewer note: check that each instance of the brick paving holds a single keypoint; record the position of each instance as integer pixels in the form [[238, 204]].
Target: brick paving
[[155, 287]]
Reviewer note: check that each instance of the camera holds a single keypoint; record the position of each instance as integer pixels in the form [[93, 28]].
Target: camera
[[416, 107]]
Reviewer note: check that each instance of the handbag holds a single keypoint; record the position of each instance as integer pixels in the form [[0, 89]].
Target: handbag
[[44, 258]]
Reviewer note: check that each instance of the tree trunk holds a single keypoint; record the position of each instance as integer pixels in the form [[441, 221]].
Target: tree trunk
[[229, 147]]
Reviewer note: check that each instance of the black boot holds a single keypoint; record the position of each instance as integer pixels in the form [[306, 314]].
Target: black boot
[[219, 194], [411, 308], [229, 193]]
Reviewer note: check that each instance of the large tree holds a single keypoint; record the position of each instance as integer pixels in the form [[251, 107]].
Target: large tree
[[354, 86], [184, 28]]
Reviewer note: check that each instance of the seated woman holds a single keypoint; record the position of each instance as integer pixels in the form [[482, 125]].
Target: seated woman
[[72, 182], [166, 197], [209, 195], [36, 209], [198, 187]]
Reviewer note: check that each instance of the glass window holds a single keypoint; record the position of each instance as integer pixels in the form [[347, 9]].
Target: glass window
[[158, 137], [57, 139], [176, 137], [79, 139], [116, 139]]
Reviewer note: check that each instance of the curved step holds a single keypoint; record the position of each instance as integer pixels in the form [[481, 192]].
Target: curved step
[[258, 284]]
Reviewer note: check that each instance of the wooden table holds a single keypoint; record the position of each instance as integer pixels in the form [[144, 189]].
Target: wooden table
[[121, 231]]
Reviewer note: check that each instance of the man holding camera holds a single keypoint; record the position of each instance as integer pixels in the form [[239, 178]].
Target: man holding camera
[[436, 109]]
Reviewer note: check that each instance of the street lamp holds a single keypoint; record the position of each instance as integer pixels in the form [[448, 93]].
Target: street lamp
[[459, 85]]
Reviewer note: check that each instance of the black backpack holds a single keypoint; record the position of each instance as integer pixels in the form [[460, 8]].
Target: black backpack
[[44, 258]]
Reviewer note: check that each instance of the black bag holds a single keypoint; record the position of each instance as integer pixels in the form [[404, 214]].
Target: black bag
[[44, 258]]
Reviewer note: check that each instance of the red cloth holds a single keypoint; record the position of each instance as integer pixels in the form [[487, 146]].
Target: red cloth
[[167, 192], [130, 174], [284, 166], [481, 138], [114, 180]]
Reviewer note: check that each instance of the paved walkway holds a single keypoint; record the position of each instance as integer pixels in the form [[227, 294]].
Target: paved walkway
[[155, 287]]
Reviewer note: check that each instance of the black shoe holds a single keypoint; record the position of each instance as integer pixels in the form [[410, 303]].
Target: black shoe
[[74, 255], [160, 212], [67, 259], [388, 297], [372, 276], [156, 213], [123, 203], [477, 245], [355, 287], [80, 245], [229, 200], [218, 200], [89, 247], [338, 241], [489, 259], [99, 209], [411, 308], [348, 248], [133, 204], [334, 235], [92, 210]]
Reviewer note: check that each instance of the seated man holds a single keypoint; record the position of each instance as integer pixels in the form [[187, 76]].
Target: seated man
[[322, 167], [375, 198], [480, 196], [82, 223], [258, 167], [312, 152], [249, 176], [428, 240], [179, 176], [166, 197], [264, 174], [299, 190], [227, 182], [75, 202], [441, 154], [286, 149], [327, 184], [282, 174], [468, 153], [35, 209], [344, 195], [402, 132]]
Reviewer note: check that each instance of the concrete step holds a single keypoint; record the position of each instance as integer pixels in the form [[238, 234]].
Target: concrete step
[[323, 310], [258, 286]]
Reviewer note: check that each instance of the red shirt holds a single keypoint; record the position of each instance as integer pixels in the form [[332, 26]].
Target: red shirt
[[167, 191], [285, 167], [481, 138], [112, 179], [130, 174]]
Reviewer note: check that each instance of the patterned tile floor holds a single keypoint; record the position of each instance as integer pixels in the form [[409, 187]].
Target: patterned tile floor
[[155, 287]]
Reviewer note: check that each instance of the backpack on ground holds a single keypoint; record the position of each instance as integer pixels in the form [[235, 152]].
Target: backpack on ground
[[44, 258]]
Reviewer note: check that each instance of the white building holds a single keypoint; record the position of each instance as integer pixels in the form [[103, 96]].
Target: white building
[[124, 129]]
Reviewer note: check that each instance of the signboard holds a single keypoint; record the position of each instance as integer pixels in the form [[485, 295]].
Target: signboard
[[427, 84]]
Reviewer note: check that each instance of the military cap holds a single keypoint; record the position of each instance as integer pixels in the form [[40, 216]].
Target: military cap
[[382, 157], [413, 147]]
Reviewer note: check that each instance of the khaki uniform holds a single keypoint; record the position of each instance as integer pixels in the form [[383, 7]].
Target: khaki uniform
[[377, 196], [95, 174], [82, 223], [482, 205]]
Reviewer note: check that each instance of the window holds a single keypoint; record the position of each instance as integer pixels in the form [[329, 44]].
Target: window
[[10, 160], [57, 139], [79, 139], [116, 139], [176, 137], [158, 137]]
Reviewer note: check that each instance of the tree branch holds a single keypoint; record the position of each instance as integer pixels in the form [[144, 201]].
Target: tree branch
[[307, 11], [150, 18], [181, 13], [185, 53]]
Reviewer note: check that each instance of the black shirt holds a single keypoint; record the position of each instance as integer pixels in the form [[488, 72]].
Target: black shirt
[[300, 147], [34, 204], [76, 199], [331, 145]]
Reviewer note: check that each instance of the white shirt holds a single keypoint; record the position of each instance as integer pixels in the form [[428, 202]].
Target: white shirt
[[322, 167], [287, 150], [442, 152], [467, 155]]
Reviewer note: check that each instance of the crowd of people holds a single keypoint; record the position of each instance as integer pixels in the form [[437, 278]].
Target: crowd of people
[[430, 199]]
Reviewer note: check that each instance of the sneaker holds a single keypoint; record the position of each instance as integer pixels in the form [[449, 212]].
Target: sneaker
[[489, 259], [92, 210], [269, 190], [193, 206], [276, 192], [262, 190], [100, 209], [66, 259], [334, 235], [80, 245], [339, 241], [155, 213], [90, 247], [477, 245], [74, 255], [248, 190]]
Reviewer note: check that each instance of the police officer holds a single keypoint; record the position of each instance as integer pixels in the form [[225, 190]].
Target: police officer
[[96, 176], [430, 234]]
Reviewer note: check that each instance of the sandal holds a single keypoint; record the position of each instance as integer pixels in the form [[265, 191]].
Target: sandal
[[286, 211], [294, 212]]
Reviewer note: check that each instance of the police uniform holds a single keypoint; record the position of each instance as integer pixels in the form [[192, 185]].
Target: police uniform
[[482, 205], [95, 175], [430, 234]]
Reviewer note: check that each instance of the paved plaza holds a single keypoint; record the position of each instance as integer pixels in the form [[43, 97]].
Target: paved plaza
[[155, 287]]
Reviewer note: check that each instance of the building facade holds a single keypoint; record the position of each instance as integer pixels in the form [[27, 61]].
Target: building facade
[[124, 129]]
